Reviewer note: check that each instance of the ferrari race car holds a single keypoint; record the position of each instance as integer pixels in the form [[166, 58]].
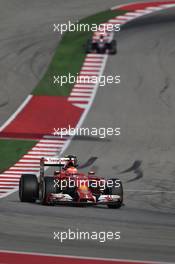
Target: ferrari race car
[[63, 184], [102, 44]]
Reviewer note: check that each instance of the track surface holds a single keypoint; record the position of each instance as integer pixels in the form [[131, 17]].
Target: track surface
[[27, 42], [143, 106]]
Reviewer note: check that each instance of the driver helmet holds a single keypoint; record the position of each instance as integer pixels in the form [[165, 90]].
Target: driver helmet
[[71, 171]]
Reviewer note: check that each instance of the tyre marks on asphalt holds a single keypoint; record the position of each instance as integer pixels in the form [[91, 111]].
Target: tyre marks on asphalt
[[137, 169], [88, 163]]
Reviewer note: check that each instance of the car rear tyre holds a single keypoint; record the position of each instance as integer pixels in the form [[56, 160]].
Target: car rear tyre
[[88, 46], [113, 47], [28, 188]]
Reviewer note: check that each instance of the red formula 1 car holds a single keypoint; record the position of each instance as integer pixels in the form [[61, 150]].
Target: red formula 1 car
[[63, 184]]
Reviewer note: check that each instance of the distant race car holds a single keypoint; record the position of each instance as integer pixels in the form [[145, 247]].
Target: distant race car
[[65, 185], [102, 44]]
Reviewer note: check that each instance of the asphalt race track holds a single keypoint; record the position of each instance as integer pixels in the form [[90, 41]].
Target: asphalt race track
[[143, 106], [27, 43]]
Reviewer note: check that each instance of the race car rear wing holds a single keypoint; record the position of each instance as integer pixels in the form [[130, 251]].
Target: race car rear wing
[[55, 161]]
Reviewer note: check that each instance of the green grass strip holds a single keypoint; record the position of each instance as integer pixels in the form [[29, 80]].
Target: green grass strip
[[69, 56], [12, 150]]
